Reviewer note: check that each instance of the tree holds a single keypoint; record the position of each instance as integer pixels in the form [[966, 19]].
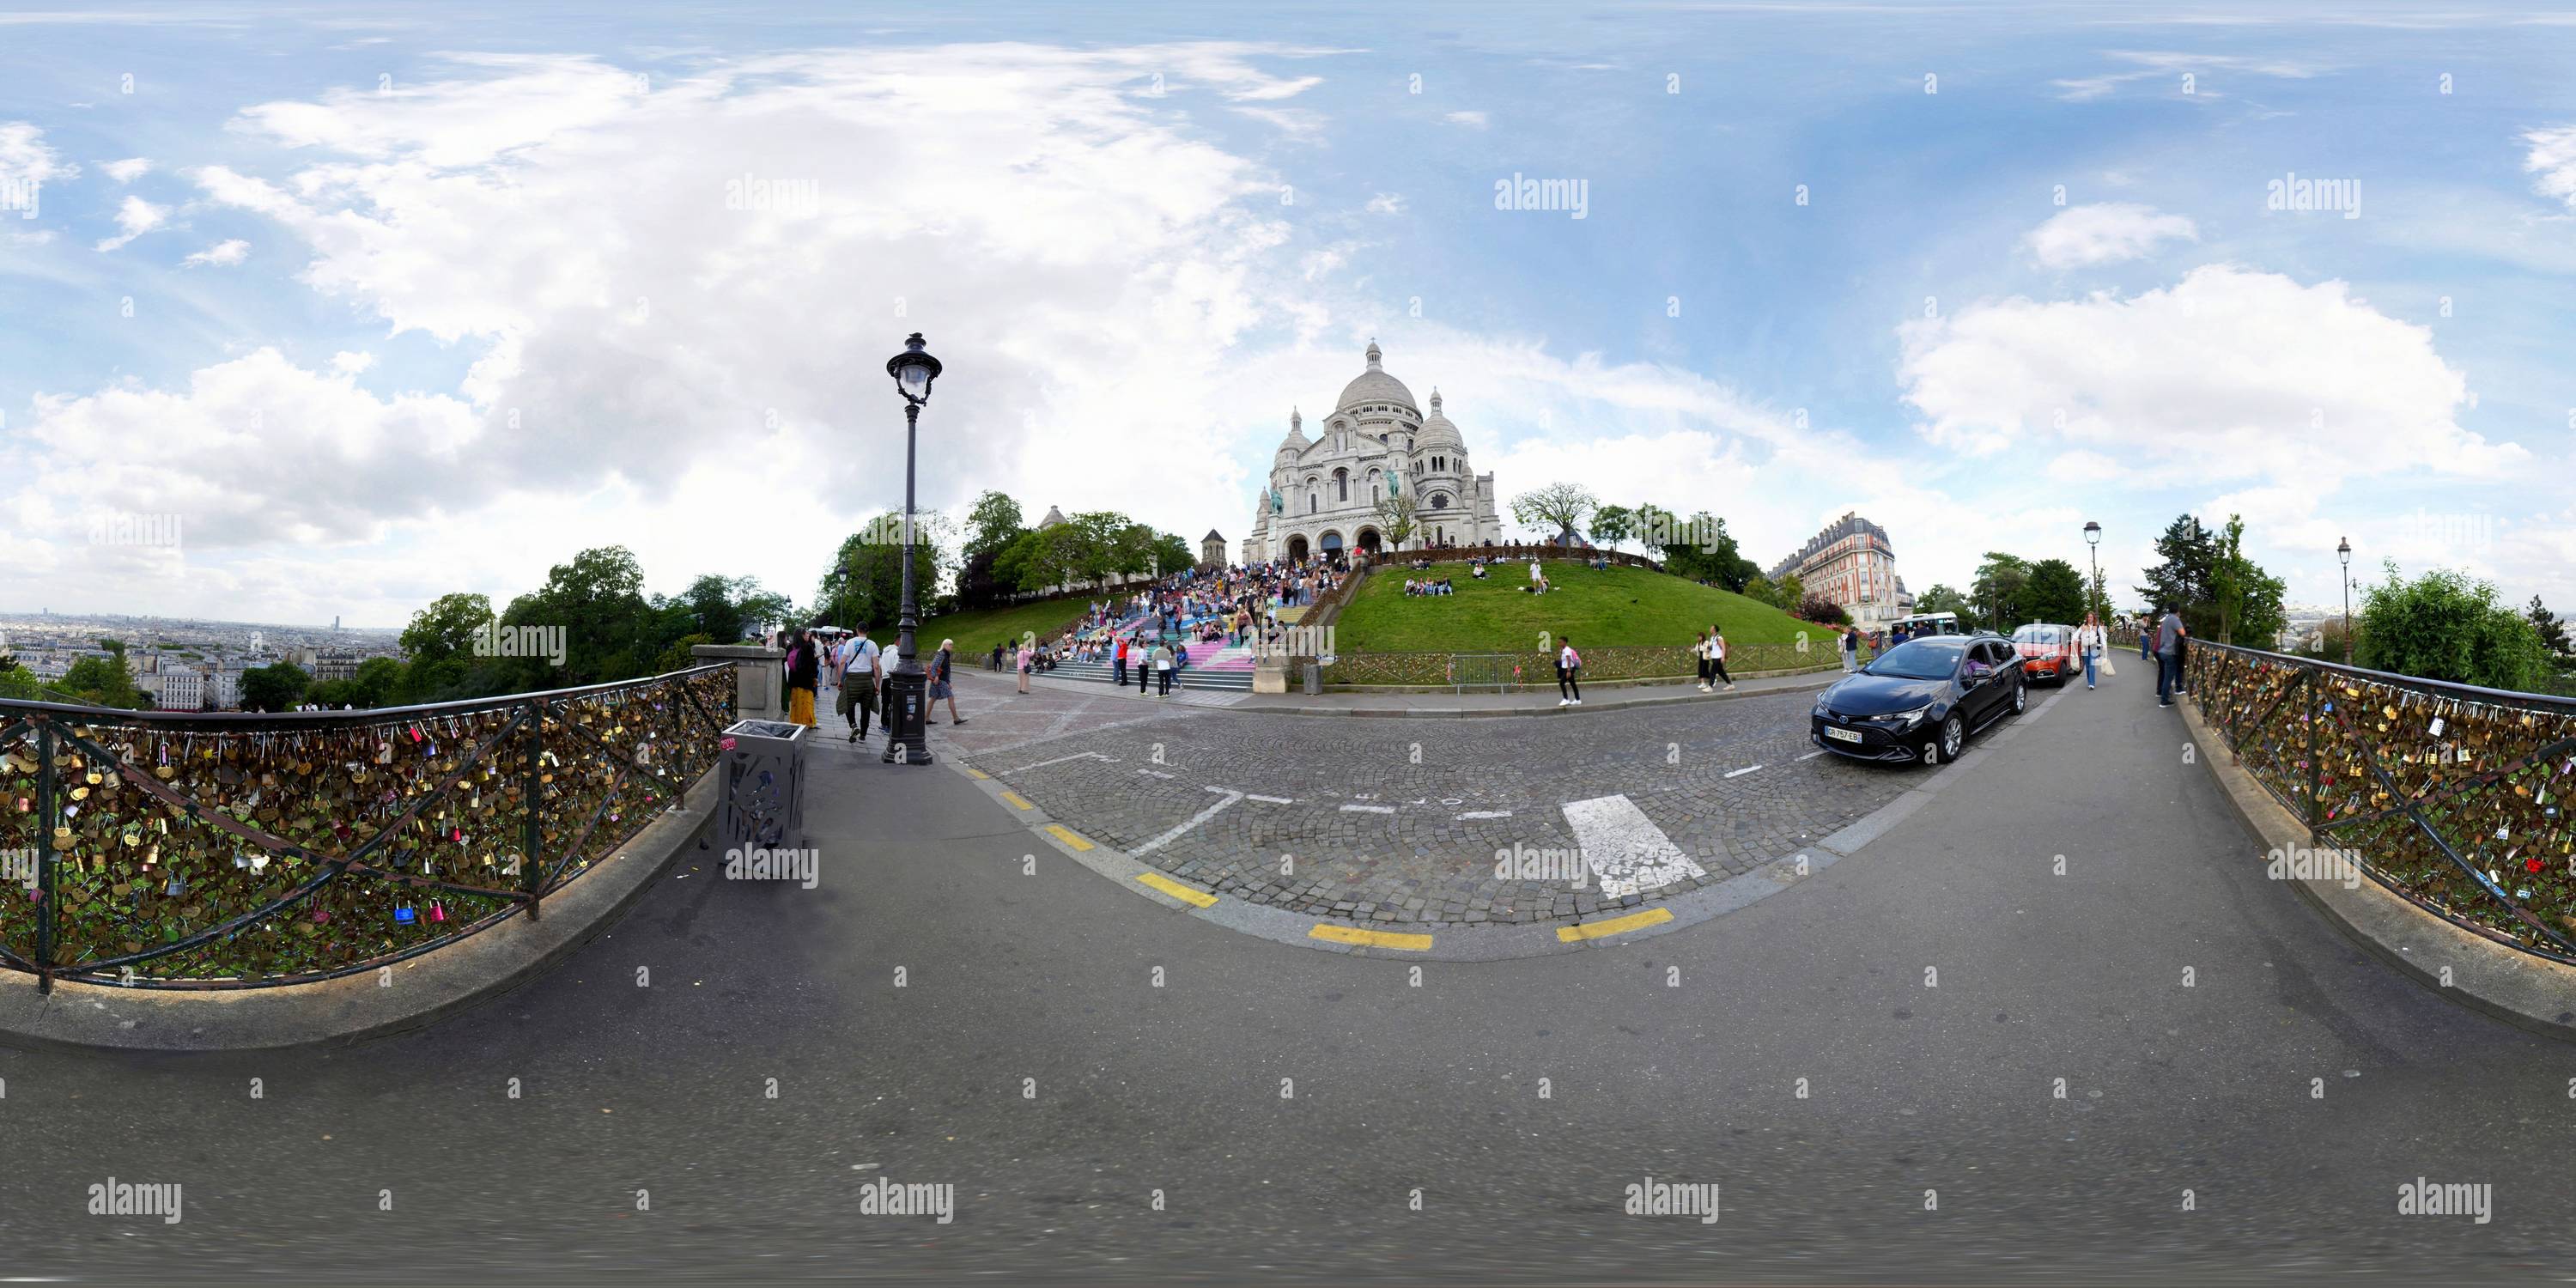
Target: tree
[[1172, 555], [993, 523], [726, 610], [2552, 628], [1758, 588], [1786, 593], [597, 601], [2098, 595], [105, 681], [864, 585], [447, 627], [275, 687], [1943, 599], [1562, 506], [1823, 611], [376, 681], [2181, 582], [1614, 524], [2445, 625], [1998, 589], [2055, 593], [1395, 518], [2247, 600]]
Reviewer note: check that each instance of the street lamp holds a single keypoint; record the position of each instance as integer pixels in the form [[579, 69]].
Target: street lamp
[[2093, 559], [907, 713], [2343, 551]]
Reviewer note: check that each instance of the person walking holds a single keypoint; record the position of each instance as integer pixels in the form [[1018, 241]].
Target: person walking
[[2088, 645], [943, 673], [1118, 663], [1144, 664], [2169, 635], [1569, 691], [1717, 655], [1700, 651], [862, 673], [2146, 637], [1163, 669], [1851, 649], [1028, 656], [803, 668]]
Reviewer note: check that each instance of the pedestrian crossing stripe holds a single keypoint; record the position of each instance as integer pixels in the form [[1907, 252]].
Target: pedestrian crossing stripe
[[1195, 898], [1614, 926], [1067, 835], [1371, 938]]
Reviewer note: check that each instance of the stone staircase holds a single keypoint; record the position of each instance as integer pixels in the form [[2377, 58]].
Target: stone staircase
[[1237, 679]]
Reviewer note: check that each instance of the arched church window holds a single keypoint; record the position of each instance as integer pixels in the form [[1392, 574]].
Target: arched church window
[[1341, 485]]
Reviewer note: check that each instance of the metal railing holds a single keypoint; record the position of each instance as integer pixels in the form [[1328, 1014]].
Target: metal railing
[[184, 850], [2450, 795]]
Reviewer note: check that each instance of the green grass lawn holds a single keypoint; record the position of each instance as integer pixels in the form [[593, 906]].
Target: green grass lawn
[[977, 631], [1614, 608]]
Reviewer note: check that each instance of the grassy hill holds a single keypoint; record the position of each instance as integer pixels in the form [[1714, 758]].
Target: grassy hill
[[1612, 608], [977, 631]]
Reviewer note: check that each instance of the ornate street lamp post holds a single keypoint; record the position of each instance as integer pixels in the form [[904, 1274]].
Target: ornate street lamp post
[[907, 710], [2093, 560], [2343, 550]]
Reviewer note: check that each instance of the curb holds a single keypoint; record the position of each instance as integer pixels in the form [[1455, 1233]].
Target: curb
[[1451, 941], [2516, 987], [371, 1004]]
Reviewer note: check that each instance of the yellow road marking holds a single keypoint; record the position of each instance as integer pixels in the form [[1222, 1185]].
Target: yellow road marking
[[1372, 938], [1014, 799], [1067, 835], [1614, 926], [1195, 898], [977, 773]]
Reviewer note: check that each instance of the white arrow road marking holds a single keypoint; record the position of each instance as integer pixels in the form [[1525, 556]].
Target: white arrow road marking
[[1625, 849], [1195, 819], [1088, 755]]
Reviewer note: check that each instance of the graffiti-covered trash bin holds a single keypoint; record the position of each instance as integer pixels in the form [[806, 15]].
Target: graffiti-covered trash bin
[[763, 803]]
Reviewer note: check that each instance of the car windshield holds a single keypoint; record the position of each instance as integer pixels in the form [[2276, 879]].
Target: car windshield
[[1923, 659], [2037, 635]]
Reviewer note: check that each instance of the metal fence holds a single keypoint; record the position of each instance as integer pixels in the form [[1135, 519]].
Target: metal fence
[[2452, 796], [1538, 667], [179, 850]]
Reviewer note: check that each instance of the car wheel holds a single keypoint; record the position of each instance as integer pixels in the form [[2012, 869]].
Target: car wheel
[[1953, 733], [2021, 696]]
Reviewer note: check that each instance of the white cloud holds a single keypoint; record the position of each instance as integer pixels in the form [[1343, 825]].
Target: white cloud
[[2229, 375], [222, 254], [2104, 233], [127, 170], [2553, 158], [26, 157], [350, 364], [135, 217], [1386, 203], [2172, 67], [1475, 119]]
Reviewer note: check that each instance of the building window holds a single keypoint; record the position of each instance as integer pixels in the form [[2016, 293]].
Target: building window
[[1341, 487]]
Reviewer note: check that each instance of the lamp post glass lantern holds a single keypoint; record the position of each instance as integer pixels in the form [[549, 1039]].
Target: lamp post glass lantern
[[907, 707], [2343, 551], [2093, 606]]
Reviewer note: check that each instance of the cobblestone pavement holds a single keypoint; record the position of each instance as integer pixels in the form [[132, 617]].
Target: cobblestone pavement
[[1395, 820]]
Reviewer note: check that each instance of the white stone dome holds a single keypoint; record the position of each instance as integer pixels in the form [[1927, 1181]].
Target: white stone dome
[[1438, 430], [1375, 386]]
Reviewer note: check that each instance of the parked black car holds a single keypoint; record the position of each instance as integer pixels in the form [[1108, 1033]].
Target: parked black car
[[1922, 699]]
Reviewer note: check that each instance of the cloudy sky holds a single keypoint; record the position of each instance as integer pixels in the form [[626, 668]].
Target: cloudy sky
[[387, 302]]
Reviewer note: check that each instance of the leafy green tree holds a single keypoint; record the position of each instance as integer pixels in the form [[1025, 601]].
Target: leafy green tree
[[992, 524], [1788, 592], [2247, 599], [2098, 595], [377, 679], [1564, 507], [447, 627], [2446, 625], [1998, 589], [275, 687], [864, 585], [1613, 525], [2552, 628], [598, 601], [17, 682], [1395, 518], [2054, 593], [2182, 581], [1817, 608], [1944, 599], [105, 681], [1759, 589], [1172, 555]]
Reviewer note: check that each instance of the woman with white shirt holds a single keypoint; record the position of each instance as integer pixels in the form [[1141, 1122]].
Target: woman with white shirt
[[2088, 644]]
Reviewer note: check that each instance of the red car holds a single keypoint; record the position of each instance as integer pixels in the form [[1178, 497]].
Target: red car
[[2048, 652]]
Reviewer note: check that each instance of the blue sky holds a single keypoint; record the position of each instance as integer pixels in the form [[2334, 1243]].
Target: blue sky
[[426, 299]]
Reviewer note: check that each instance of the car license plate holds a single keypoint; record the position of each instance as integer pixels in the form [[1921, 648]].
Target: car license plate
[[1845, 735]]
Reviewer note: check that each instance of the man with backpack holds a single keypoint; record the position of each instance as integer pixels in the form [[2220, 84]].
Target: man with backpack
[[862, 671], [2169, 645]]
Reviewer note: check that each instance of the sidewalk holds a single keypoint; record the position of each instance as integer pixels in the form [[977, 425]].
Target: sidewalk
[[1532, 700]]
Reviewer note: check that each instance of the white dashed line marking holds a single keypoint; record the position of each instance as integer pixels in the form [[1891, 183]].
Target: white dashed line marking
[[1739, 773], [1088, 755], [1625, 849], [1486, 813], [1153, 773], [1811, 755], [1194, 820], [1368, 809], [1272, 800]]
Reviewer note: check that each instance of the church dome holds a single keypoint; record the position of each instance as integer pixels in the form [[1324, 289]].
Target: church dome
[[1375, 386], [1438, 431]]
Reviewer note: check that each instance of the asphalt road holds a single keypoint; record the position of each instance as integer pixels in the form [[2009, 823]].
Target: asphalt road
[[1307, 1116]]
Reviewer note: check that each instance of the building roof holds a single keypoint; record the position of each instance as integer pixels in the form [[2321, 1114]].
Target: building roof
[[1851, 524], [1053, 517], [1213, 535], [1375, 386]]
